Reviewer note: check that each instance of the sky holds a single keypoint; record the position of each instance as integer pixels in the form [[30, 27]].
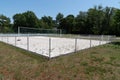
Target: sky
[[52, 7]]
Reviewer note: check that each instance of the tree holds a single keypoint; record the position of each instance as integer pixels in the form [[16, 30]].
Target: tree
[[107, 20], [63, 25], [19, 20], [47, 22], [31, 19], [117, 22], [100, 19], [95, 18], [67, 24], [80, 26], [59, 17], [70, 23], [4, 24], [26, 19]]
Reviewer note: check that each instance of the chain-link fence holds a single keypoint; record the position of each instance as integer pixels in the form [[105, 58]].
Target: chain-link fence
[[55, 45]]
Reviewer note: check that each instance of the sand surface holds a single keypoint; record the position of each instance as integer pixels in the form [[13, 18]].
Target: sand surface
[[51, 46]]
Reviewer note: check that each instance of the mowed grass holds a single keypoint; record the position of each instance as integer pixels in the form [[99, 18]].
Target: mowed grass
[[98, 63]]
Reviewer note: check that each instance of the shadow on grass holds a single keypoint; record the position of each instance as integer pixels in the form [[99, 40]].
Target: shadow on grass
[[33, 55], [115, 43]]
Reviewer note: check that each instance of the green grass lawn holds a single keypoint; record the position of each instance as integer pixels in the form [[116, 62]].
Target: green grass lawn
[[98, 63]]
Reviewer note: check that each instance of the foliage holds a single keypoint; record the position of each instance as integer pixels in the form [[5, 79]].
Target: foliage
[[117, 22], [26, 19], [4, 24], [67, 23], [81, 25], [59, 17], [46, 22], [96, 20]]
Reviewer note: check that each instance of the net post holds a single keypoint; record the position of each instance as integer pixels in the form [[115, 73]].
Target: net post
[[18, 30]]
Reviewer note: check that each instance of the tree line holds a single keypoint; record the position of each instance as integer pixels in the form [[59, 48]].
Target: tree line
[[97, 20]]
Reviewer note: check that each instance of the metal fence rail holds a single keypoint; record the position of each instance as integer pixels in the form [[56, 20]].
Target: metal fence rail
[[54, 45]]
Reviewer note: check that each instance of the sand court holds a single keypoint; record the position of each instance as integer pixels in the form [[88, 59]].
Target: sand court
[[51, 46]]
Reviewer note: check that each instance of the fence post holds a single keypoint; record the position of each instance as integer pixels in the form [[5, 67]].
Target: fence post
[[75, 45], [49, 48], [2, 38], [108, 38], [102, 39], [99, 40], [18, 30], [60, 33], [28, 42], [7, 39], [15, 40], [113, 38], [90, 41]]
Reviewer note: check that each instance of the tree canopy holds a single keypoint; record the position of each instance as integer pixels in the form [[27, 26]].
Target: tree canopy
[[5, 24], [96, 20]]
